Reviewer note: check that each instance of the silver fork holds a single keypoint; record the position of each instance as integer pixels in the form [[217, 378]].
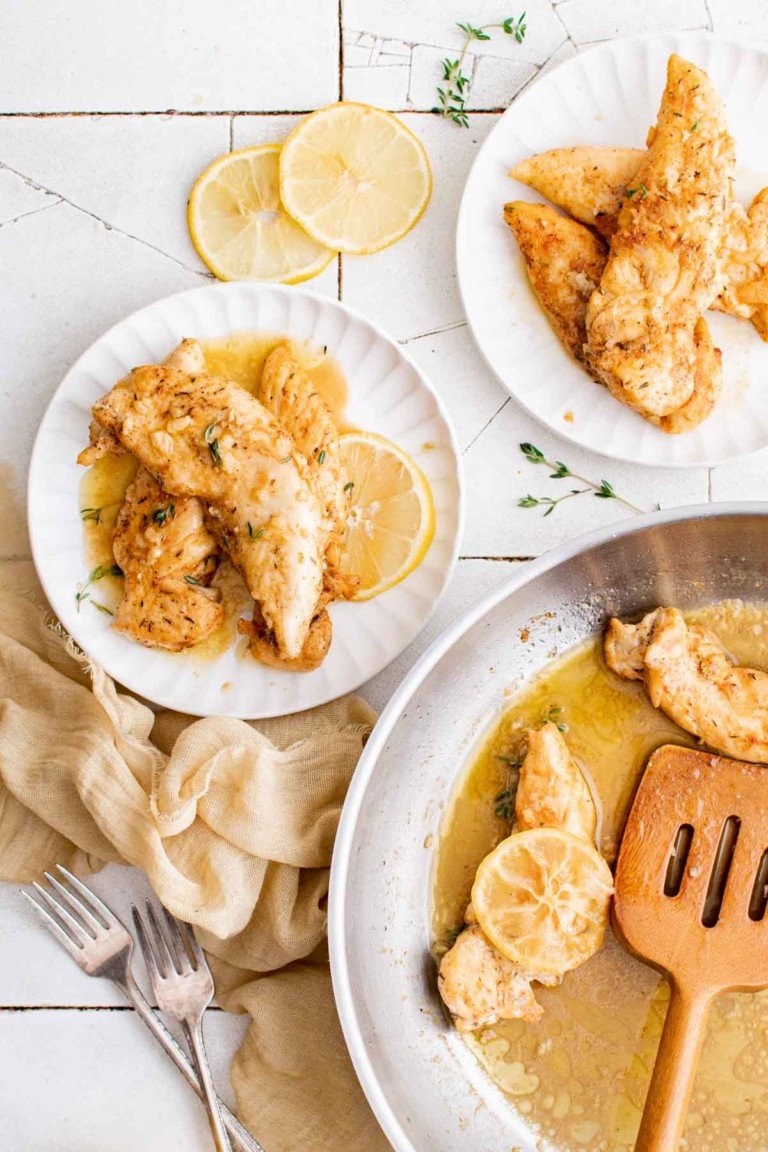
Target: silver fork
[[183, 987], [101, 945]]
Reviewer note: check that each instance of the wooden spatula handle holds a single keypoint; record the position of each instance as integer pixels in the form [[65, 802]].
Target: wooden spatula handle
[[669, 1093]]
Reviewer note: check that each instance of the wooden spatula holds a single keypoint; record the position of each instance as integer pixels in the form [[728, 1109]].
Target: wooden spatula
[[691, 894]]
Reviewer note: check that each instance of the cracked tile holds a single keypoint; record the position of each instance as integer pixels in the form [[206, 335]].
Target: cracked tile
[[72, 278], [411, 287], [19, 198], [593, 20], [498, 475], [250, 130], [468, 389], [132, 172], [147, 56]]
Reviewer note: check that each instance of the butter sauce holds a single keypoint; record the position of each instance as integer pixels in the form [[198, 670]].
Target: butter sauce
[[580, 1074]]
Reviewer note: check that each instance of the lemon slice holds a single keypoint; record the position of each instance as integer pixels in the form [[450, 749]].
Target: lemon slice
[[392, 518], [239, 226], [542, 898], [355, 177]]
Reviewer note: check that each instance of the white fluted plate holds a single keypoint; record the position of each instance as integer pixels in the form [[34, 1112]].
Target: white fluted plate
[[608, 96], [388, 394]]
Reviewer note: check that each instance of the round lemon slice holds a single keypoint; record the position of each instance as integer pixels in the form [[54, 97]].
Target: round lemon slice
[[392, 518], [354, 177], [239, 226], [542, 899]]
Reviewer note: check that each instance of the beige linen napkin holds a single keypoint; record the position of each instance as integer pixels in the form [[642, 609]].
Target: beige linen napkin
[[233, 825]]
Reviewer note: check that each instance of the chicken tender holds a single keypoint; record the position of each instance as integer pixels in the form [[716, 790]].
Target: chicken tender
[[552, 792], [663, 269], [208, 438], [478, 985], [564, 261], [289, 394], [168, 558], [588, 182], [689, 675]]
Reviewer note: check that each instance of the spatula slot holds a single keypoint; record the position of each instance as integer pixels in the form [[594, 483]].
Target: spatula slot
[[720, 869], [759, 899], [678, 858]]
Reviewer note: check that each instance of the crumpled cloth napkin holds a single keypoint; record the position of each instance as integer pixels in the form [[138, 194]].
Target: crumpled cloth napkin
[[234, 826]]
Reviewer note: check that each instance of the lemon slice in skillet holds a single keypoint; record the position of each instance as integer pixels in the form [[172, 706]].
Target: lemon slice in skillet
[[542, 898]]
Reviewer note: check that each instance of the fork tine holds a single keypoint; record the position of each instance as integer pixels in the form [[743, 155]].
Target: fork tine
[[178, 947], [199, 958], [91, 924], [89, 897], [162, 951], [145, 944], [54, 927], [76, 929]]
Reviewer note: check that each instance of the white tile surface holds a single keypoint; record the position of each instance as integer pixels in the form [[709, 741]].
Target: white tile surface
[[92, 1081], [92, 227], [410, 289], [162, 54]]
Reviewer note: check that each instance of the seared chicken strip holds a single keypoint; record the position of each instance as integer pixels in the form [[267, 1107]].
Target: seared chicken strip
[[663, 269], [478, 985], [689, 675], [564, 261], [590, 184], [168, 558], [552, 792], [206, 437], [289, 394], [167, 555]]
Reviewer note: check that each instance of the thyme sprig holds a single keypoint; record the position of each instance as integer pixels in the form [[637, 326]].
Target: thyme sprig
[[96, 574], [603, 490], [504, 801], [452, 95]]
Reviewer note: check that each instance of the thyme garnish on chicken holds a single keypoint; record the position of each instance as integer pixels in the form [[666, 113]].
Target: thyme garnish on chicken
[[604, 490], [452, 98]]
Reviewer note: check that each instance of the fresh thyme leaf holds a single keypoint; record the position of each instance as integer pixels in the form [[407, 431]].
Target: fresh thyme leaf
[[213, 448], [553, 715], [160, 515], [604, 490], [91, 514], [96, 574], [102, 608], [321, 457], [209, 431], [194, 580], [349, 486], [640, 191], [695, 125], [285, 460], [532, 453], [452, 99], [255, 534], [504, 804], [453, 934]]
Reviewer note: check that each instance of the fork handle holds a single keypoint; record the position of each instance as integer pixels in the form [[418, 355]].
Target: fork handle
[[669, 1093], [241, 1137], [194, 1035]]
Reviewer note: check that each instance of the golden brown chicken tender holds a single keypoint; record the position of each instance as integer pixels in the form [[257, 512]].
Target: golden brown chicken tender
[[663, 269]]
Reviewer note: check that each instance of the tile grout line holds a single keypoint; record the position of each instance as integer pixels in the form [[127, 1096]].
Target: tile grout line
[[224, 112]]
